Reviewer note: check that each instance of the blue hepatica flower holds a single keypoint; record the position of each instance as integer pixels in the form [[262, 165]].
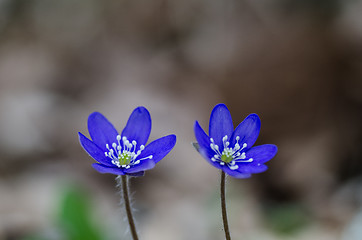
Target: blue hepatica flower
[[231, 150], [124, 154]]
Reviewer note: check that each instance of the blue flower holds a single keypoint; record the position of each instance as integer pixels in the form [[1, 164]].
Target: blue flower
[[125, 154], [231, 150]]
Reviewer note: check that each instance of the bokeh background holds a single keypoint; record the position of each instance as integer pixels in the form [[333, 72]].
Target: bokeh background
[[297, 63]]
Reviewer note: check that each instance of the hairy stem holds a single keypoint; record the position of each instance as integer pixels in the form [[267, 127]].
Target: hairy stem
[[127, 205], [223, 207]]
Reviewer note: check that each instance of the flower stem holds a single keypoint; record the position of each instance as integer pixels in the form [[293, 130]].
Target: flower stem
[[127, 204], [223, 207]]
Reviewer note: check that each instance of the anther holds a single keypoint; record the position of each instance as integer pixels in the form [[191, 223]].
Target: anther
[[234, 167]]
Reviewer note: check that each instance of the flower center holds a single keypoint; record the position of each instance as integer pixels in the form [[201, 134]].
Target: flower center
[[229, 156], [123, 152], [124, 158]]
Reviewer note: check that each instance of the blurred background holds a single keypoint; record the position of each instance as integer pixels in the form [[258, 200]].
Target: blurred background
[[297, 63]]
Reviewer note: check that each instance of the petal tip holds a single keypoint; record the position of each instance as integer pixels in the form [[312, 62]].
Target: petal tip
[[141, 110], [221, 106], [94, 115], [274, 148], [173, 136], [172, 140], [196, 126], [255, 117]]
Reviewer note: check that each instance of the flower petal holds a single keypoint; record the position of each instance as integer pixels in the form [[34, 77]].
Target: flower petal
[[159, 148], [220, 124], [201, 137], [144, 165], [204, 145], [101, 130], [138, 127], [105, 169], [93, 150], [234, 173], [248, 131], [251, 167], [262, 153]]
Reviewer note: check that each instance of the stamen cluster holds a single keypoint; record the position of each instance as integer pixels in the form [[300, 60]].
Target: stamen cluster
[[123, 152], [229, 156]]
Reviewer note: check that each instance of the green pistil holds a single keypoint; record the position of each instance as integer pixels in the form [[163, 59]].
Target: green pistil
[[226, 156], [124, 158]]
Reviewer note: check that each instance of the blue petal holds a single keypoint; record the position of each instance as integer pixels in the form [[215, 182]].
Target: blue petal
[[101, 130], [144, 165], [201, 137], [159, 148], [234, 173], [138, 127], [248, 131], [105, 169], [204, 142], [220, 124], [251, 167], [262, 153], [93, 150]]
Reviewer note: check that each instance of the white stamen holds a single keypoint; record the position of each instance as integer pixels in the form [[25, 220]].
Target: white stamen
[[230, 154], [234, 167], [125, 150]]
